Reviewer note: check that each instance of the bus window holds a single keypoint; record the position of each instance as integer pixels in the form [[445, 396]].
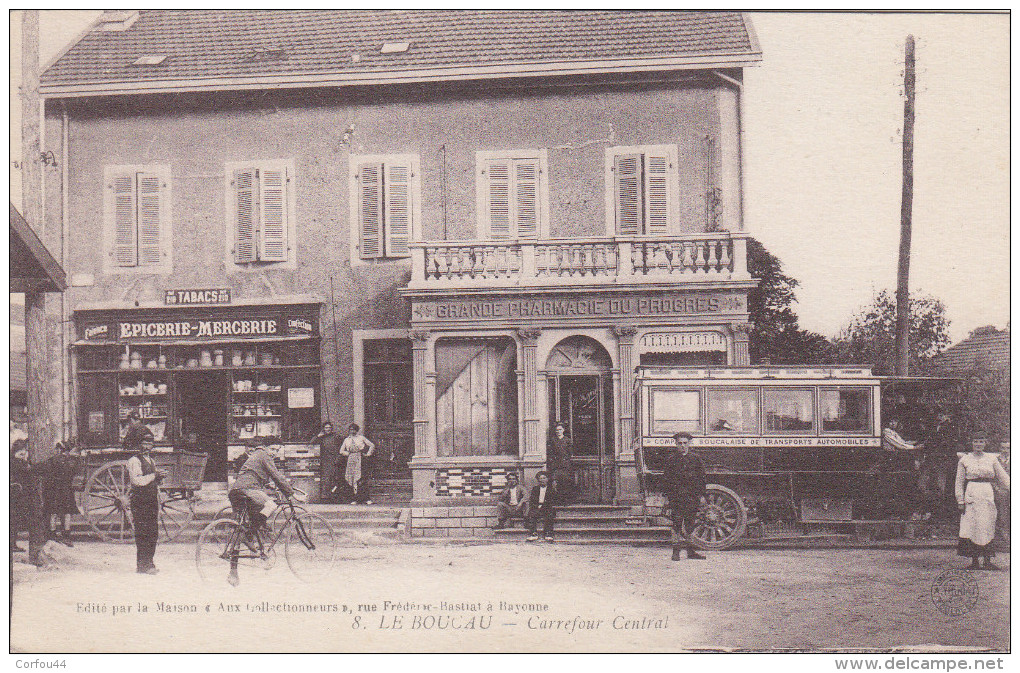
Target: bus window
[[733, 410], [676, 411], [845, 410], [789, 410]]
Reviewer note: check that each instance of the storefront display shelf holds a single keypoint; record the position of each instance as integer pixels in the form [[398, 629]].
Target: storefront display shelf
[[118, 370]]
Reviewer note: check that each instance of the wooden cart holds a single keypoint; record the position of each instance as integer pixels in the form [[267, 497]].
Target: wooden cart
[[105, 500]]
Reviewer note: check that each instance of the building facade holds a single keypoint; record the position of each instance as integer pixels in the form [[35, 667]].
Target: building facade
[[443, 226]]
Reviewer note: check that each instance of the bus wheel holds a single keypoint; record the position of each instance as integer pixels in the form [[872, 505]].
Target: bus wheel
[[721, 521]]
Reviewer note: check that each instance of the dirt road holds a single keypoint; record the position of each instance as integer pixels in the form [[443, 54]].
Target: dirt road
[[506, 597]]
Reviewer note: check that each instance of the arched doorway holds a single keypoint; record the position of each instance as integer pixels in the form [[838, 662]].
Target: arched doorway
[[580, 383]]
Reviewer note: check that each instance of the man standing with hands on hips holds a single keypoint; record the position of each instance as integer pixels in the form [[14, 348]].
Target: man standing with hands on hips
[[683, 476]]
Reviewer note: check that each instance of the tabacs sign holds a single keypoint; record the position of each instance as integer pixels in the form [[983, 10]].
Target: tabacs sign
[[197, 297]]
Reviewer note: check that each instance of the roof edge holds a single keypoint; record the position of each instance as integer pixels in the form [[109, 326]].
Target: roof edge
[[459, 73], [56, 280]]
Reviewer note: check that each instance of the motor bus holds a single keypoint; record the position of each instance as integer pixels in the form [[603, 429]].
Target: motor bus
[[795, 444]]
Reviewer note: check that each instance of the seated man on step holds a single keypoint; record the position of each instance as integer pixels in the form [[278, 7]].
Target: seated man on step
[[511, 503], [542, 505]]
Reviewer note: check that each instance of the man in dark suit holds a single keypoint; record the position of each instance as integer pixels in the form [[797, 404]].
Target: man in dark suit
[[558, 452], [541, 505], [683, 476], [511, 503]]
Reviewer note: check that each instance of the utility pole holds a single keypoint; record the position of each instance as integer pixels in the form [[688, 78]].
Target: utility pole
[[906, 209]]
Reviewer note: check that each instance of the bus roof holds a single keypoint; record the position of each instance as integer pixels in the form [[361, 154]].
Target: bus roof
[[757, 372]]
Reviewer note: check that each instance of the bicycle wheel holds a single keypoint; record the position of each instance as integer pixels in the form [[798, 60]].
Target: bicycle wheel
[[279, 518], [215, 543], [310, 547]]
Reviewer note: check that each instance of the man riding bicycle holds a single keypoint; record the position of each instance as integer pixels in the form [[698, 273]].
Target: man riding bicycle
[[248, 492], [256, 476]]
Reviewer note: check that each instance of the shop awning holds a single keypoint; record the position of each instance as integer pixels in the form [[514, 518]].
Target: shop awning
[[197, 342]]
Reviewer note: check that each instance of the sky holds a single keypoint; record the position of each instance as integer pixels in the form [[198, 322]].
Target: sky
[[822, 144]]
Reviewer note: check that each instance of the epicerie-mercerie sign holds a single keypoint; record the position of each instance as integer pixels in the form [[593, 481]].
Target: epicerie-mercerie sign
[[197, 297], [771, 442], [198, 329], [580, 307], [202, 328]]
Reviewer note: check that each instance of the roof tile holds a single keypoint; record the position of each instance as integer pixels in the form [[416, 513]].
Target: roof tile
[[204, 44], [984, 347]]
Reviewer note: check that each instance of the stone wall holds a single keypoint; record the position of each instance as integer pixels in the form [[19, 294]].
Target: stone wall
[[440, 522]]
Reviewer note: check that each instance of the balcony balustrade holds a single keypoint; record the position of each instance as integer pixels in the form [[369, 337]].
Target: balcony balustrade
[[692, 258]]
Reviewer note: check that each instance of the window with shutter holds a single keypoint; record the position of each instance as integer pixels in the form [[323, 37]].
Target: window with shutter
[[259, 201], [385, 196], [137, 218], [644, 187], [499, 198], [370, 207], [397, 188], [511, 196], [629, 207], [272, 211], [526, 172], [657, 194], [125, 241], [244, 215], [149, 211]]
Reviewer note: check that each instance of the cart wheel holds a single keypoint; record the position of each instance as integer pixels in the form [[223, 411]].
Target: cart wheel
[[176, 512], [721, 521], [106, 504]]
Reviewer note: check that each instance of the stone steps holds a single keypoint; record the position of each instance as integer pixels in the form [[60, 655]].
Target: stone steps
[[596, 524]]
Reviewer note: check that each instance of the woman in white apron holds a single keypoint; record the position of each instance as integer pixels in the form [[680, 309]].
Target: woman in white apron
[[976, 499], [356, 447]]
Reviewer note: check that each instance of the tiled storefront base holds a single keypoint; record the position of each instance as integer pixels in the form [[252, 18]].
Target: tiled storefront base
[[460, 522]]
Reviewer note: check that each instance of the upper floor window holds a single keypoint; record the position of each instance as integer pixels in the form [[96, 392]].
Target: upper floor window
[[137, 219], [385, 199], [642, 190], [260, 211], [512, 194]]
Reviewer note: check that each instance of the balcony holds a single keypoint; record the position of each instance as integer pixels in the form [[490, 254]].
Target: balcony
[[692, 258]]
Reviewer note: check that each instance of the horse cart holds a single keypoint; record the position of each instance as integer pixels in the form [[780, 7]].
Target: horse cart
[[781, 445], [105, 499]]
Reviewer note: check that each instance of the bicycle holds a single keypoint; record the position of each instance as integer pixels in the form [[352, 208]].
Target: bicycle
[[309, 544], [275, 522]]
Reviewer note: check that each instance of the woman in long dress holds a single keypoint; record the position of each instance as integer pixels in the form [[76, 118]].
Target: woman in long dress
[[974, 495], [355, 447]]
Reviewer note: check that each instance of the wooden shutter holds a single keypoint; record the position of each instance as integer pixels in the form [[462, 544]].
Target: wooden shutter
[[125, 225], [526, 173], [273, 211], [629, 188], [150, 206], [245, 214], [370, 205], [397, 210], [658, 171], [499, 198]]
